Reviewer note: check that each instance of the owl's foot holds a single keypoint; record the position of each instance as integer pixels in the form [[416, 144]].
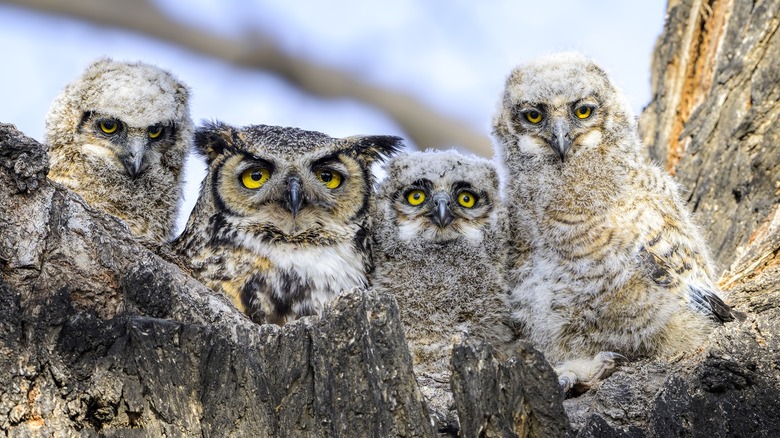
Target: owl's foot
[[578, 375]]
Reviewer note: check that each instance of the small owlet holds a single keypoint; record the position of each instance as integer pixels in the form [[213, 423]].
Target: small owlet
[[118, 136], [283, 220], [606, 257], [440, 249]]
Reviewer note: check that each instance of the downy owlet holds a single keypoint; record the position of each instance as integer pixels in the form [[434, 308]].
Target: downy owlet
[[606, 260], [118, 136], [440, 248]]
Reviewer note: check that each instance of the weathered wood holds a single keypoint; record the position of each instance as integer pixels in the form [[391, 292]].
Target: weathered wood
[[517, 397], [713, 122], [713, 116], [101, 336]]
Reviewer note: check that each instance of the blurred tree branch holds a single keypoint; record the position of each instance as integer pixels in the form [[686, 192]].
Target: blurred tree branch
[[424, 125]]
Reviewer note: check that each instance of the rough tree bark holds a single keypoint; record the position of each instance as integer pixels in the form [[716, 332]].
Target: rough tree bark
[[712, 121], [99, 336], [713, 116]]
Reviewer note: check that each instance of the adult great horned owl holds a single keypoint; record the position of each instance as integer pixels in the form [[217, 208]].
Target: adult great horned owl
[[440, 249], [283, 221], [606, 258], [118, 136]]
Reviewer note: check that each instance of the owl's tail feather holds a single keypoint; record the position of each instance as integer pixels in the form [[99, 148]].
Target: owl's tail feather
[[708, 302]]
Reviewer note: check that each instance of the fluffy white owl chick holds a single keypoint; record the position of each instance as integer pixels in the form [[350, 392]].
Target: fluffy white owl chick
[[605, 256], [440, 249], [118, 136]]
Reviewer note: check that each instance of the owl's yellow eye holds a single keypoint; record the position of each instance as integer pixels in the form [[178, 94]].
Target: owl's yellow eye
[[467, 199], [330, 178], [154, 131], [255, 177], [415, 197], [583, 111], [533, 116], [108, 126]]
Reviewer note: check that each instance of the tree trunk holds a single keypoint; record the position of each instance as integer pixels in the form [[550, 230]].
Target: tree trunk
[[713, 116], [99, 336], [712, 122]]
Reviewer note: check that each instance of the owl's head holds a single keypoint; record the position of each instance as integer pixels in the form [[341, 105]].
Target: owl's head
[[132, 116], [439, 196], [559, 106], [291, 185]]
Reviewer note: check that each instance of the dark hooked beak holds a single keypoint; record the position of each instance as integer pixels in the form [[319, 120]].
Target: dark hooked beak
[[133, 160], [561, 142], [441, 214], [294, 200]]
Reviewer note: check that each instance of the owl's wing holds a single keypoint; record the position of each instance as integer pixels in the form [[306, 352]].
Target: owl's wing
[[495, 242], [710, 303], [672, 270]]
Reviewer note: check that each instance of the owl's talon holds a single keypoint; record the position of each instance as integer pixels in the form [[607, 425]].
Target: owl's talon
[[566, 383], [610, 358], [578, 375]]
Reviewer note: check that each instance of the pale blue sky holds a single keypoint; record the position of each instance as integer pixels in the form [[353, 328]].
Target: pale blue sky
[[453, 54]]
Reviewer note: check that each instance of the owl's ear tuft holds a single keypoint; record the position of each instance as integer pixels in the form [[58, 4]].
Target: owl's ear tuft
[[375, 148], [213, 139]]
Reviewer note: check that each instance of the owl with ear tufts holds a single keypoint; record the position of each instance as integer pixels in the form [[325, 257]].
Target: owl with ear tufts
[[440, 249], [118, 136], [283, 221], [606, 262]]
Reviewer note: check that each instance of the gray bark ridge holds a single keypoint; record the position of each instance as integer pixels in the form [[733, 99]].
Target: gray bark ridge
[[516, 397], [100, 336], [712, 122], [712, 119]]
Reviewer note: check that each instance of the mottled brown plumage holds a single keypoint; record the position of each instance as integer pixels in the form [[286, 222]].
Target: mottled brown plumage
[[605, 256], [283, 222]]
